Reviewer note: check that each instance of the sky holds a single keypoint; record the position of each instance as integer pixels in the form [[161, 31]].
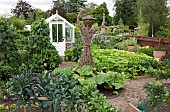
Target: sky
[[7, 5]]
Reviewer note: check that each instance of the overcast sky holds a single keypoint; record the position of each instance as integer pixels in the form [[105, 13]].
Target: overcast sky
[[6, 5]]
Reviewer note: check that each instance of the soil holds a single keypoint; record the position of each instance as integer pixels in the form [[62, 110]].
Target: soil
[[133, 91], [67, 64], [110, 93]]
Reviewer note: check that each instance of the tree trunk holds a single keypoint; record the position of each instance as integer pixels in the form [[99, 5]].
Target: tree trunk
[[86, 56]]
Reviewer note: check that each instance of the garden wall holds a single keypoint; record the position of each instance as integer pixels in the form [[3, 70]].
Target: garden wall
[[152, 41]]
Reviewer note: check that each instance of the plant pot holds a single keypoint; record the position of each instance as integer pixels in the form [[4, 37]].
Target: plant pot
[[130, 48], [159, 54]]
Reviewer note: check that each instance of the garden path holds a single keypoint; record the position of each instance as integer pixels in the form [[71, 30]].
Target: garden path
[[134, 93]]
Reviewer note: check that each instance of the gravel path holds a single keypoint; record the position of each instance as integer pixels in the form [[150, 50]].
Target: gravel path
[[134, 93]]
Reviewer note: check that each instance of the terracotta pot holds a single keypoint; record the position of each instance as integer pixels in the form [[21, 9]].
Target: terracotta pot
[[130, 48], [159, 54]]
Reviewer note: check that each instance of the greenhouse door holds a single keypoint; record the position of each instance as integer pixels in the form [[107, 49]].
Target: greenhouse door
[[57, 37]]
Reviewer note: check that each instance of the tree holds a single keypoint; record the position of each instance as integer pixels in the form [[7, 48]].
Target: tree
[[18, 23], [59, 6], [126, 9], [69, 6], [37, 14], [58, 9], [154, 13], [71, 17], [76, 5], [143, 27], [88, 9], [164, 31], [98, 14], [22, 8]]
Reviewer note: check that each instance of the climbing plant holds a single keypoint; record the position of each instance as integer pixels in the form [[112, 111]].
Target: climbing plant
[[42, 53]]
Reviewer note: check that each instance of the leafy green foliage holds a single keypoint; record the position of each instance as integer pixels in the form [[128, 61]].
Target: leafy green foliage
[[145, 50], [21, 87], [157, 93], [63, 92], [8, 51], [18, 23], [123, 45], [88, 9], [98, 39], [36, 15], [130, 63], [4, 90], [159, 48], [125, 9], [22, 7], [42, 54], [98, 14], [116, 39], [87, 74], [76, 5], [122, 29], [95, 101], [71, 17], [153, 17], [73, 54], [59, 92], [164, 31], [110, 79], [162, 71]]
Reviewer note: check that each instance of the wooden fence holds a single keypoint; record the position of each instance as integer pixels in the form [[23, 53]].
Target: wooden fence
[[152, 41]]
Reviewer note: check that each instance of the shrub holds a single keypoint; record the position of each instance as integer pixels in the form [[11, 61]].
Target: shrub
[[145, 50], [18, 23], [9, 63], [157, 94], [122, 45], [162, 71], [73, 54], [98, 39], [167, 56], [116, 39]]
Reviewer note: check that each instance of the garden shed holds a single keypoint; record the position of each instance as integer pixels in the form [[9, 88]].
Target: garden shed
[[61, 33]]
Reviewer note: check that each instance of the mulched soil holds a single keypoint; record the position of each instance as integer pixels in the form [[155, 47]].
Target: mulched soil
[[134, 93], [67, 64]]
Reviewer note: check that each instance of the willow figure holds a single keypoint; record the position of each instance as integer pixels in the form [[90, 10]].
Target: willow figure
[[87, 33]]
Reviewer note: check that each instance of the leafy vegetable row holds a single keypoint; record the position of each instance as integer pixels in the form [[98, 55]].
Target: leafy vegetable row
[[123, 61]]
